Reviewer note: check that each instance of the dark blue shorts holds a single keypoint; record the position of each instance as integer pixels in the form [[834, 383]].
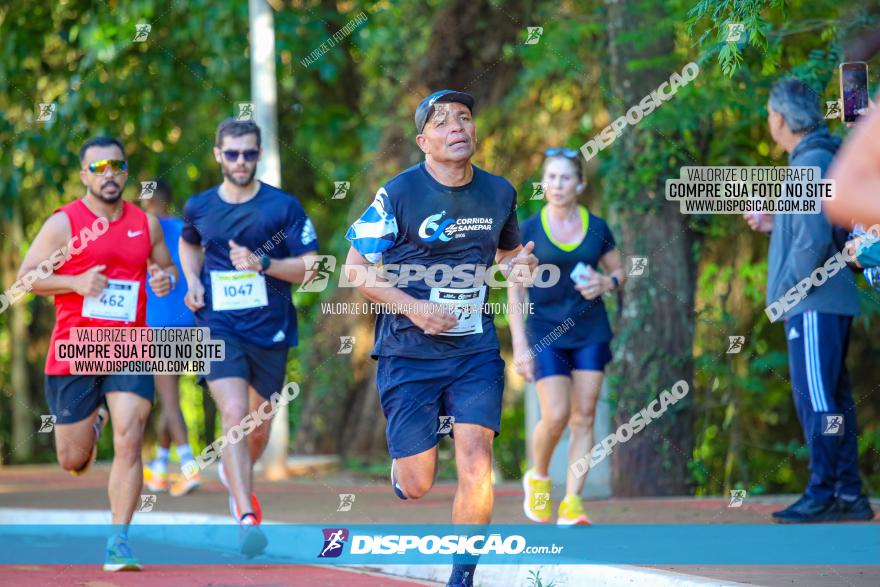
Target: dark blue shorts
[[73, 398], [555, 361], [263, 368], [418, 394]]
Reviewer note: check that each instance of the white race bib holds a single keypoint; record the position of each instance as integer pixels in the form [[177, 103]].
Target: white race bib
[[118, 301], [466, 304], [237, 290]]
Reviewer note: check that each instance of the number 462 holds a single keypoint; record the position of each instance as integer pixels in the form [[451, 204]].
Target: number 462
[[111, 300]]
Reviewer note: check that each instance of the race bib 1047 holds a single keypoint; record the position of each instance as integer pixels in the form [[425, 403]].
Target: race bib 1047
[[237, 290]]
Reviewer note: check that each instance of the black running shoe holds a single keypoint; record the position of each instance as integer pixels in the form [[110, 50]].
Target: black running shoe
[[807, 511], [857, 510]]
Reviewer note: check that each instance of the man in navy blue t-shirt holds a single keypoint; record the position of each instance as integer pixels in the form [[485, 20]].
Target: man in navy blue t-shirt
[[242, 245], [439, 368]]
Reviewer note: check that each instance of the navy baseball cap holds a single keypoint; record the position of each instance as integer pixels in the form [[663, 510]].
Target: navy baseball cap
[[426, 106]]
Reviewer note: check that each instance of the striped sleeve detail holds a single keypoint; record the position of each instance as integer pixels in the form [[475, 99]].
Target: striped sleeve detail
[[376, 230]]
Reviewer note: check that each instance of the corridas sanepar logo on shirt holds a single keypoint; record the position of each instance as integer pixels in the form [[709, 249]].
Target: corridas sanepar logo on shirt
[[432, 229]]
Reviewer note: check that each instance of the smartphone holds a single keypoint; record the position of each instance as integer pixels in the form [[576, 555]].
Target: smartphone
[[580, 273], [853, 88]]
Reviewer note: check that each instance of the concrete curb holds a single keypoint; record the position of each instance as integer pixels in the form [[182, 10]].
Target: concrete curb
[[59, 516], [557, 576]]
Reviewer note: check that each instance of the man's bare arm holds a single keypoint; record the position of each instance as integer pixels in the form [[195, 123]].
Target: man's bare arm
[[50, 247], [292, 269], [431, 317], [856, 172], [289, 269], [192, 258]]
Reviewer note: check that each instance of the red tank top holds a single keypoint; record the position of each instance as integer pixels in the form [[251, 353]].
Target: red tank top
[[124, 248]]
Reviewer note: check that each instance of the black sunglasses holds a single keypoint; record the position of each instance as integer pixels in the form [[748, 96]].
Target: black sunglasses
[[563, 151], [250, 155]]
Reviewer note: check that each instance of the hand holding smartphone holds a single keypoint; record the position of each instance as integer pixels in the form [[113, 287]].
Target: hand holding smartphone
[[854, 89], [581, 273]]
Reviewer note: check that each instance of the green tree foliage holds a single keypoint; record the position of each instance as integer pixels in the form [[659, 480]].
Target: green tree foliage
[[347, 117]]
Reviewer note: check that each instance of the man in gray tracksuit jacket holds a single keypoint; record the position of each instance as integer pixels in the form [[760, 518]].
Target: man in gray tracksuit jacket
[[817, 325]]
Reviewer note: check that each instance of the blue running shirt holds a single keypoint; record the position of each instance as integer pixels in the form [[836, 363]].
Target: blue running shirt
[[554, 305], [170, 311], [272, 222], [415, 219]]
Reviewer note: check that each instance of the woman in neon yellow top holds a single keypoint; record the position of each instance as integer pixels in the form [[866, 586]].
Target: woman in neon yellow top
[[564, 345]]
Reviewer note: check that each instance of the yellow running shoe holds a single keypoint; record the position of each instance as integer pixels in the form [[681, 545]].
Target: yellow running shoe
[[536, 504], [155, 481], [184, 485], [99, 424], [571, 512]]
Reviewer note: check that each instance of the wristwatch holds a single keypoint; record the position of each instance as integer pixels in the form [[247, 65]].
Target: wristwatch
[[615, 283], [173, 281], [265, 261]]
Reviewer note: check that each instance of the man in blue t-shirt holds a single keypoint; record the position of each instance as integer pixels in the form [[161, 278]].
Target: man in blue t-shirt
[[439, 369], [169, 312], [243, 243]]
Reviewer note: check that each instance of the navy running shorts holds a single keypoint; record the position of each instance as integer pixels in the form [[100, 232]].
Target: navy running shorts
[[417, 395], [73, 398], [263, 368], [555, 361]]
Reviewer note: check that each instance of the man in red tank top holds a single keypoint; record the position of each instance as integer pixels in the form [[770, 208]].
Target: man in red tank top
[[104, 252]]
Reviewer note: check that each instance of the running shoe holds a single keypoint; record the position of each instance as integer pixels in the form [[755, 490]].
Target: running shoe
[[251, 539], [155, 480], [184, 485], [808, 511], [571, 512], [461, 577], [119, 556], [857, 510], [398, 490], [98, 426], [536, 503], [233, 508]]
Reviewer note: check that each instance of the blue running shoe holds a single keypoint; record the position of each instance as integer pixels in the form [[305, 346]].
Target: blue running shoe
[[251, 538], [119, 556]]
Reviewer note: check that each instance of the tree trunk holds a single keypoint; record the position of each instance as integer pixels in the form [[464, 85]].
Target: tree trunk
[[24, 420], [655, 335]]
